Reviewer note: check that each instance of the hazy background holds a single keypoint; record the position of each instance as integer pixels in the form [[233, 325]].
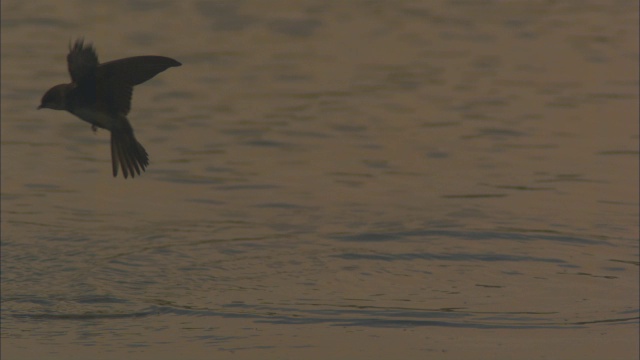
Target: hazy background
[[328, 180]]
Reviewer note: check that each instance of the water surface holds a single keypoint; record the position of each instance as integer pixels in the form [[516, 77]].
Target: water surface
[[360, 179]]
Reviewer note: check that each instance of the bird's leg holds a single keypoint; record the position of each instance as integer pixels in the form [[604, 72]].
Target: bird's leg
[[94, 128]]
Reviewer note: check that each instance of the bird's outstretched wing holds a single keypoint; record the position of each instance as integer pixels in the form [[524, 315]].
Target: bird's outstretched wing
[[120, 76], [82, 62], [138, 69]]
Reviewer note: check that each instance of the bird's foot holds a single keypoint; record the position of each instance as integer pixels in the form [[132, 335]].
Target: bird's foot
[[94, 128]]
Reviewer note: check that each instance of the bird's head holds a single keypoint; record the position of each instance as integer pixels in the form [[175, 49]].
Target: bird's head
[[55, 98]]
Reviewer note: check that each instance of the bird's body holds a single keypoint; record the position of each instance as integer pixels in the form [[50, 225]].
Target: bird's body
[[100, 94]]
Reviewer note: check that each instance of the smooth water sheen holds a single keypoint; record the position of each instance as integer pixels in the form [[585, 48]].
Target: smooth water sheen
[[328, 180]]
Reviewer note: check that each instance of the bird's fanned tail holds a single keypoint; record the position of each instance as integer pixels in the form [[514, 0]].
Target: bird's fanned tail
[[127, 153]]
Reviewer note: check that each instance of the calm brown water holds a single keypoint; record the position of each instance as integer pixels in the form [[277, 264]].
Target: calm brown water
[[328, 180]]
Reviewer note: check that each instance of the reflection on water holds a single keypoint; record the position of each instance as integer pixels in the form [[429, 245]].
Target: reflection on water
[[325, 172]]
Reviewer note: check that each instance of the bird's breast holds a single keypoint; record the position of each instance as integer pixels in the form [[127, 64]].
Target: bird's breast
[[94, 117]]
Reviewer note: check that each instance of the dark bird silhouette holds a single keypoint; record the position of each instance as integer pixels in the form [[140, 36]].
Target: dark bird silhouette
[[100, 94]]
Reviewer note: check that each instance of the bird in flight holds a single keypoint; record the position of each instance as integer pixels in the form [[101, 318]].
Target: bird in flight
[[100, 94]]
